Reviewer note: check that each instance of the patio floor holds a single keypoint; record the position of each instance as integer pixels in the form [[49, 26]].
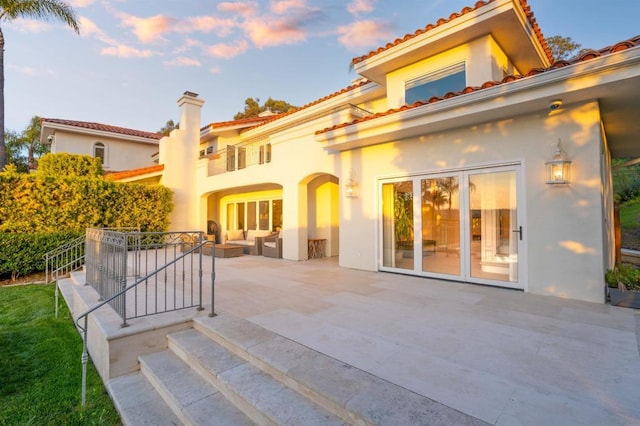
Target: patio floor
[[502, 356]]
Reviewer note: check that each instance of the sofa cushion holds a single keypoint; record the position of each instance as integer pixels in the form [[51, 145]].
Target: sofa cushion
[[235, 235], [252, 234]]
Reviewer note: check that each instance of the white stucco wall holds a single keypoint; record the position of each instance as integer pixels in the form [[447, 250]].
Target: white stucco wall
[[563, 226], [119, 154]]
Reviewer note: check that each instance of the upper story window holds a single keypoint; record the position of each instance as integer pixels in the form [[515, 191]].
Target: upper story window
[[99, 151], [438, 83]]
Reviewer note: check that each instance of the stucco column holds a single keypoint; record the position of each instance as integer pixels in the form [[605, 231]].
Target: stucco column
[[294, 219], [179, 154]]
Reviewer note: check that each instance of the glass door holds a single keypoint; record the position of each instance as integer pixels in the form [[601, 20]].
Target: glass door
[[440, 211], [494, 228]]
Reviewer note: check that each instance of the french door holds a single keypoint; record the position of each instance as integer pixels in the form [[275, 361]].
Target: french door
[[463, 225]]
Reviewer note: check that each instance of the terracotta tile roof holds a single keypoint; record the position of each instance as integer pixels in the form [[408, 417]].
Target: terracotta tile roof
[[240, 121], [317, 101], [455, 15], [104, 128], [586, 56], [134, 172]]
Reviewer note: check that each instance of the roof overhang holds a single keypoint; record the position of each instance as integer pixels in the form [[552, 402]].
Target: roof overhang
[[48, 128], [612, 80], [505, 20]]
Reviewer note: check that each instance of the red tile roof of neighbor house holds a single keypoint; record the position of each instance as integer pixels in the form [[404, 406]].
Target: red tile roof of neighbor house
[[134, 172], [454, 15], [104, 128], [586, 56]]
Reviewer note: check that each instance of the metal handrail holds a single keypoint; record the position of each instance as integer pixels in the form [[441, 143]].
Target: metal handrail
[[189, 250], [63, 260]]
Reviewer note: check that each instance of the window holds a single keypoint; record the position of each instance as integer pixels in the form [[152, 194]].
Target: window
[[268, 153], [438, 83], [258, 214], [231, 158], [242, 158], [98, 151]]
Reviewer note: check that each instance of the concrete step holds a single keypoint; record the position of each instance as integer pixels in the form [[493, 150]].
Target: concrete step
[[259, 395], [352, 394], [138, 402], [192, 399]]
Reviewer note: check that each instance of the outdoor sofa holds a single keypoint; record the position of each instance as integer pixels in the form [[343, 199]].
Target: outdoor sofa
[[250, 240]]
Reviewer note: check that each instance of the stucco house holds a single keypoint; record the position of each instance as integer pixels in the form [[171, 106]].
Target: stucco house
[[462, 152], [119, 148]]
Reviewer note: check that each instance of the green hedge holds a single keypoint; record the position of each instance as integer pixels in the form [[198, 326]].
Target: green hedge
[[65, 199], [41, 204], [22, 254]]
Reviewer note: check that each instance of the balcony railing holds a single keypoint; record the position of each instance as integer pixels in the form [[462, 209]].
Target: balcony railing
[[236, 157]]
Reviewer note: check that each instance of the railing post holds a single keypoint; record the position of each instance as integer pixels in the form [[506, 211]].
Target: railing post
[[201, 243], [213, 278], [85, 358]]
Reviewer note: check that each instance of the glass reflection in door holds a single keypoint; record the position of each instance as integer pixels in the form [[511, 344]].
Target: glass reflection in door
[[397, 225], [494, 227], [440, 209]]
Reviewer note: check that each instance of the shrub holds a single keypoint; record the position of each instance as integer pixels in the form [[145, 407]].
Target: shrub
[[22, 254], [68, 194], [627, 275]]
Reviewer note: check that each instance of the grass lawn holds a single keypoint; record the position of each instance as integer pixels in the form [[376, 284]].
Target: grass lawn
[[630, 224], [40, 368]]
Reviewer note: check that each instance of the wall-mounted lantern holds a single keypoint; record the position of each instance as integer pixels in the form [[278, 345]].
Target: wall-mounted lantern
[[558, 170], [351, 186]]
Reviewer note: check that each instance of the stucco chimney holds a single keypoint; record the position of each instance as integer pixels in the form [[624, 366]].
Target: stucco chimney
[[179, 154]]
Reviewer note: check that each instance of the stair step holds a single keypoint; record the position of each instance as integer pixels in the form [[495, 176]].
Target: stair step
[[195, 401], [262, 397], [350, 393], [138, 403]]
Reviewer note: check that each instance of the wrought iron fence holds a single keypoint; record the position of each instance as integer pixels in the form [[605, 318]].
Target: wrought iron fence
[[145, 273]]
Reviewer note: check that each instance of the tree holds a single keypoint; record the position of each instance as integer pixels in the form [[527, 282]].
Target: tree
[[24, 149], [252, 107], [38, 9], [167, 128], [563, 47]]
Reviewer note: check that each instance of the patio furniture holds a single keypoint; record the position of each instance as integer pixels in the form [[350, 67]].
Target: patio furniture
[[227, 250], [316, 247], [272, 246], [250, 240]]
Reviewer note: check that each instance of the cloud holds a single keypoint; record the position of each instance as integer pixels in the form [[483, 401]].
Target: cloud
[[274, 32], [248, 8], [124, 51], [80, 3], [284, 6], [228, 50], [183, 61], [363, 34], [215, 70], [30, 71], [205, 24], [147, 30], [30, 25], [357, 7]]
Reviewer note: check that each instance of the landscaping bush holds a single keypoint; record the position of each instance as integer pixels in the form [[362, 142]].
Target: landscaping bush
[[22, 254], [68, 194], [627, 275]]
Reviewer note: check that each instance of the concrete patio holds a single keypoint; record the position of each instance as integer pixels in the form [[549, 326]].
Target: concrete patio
[[502, 356]]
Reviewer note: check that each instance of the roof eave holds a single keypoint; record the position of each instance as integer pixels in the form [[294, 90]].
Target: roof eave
[[528, 95], [502, 19]]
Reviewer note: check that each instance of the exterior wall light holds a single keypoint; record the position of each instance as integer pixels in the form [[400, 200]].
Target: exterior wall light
[[351, 187], [558, 170]]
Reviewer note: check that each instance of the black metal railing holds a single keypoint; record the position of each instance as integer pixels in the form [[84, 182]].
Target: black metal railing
[[145, 273]]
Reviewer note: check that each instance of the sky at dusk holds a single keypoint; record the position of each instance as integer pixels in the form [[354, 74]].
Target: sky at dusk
[[134, 58]]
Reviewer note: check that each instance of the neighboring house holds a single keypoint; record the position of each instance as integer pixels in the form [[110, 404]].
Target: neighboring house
[[118, 148], [444, 160]]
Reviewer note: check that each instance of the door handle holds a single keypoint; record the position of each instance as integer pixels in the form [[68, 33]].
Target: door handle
[[519, 231]]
